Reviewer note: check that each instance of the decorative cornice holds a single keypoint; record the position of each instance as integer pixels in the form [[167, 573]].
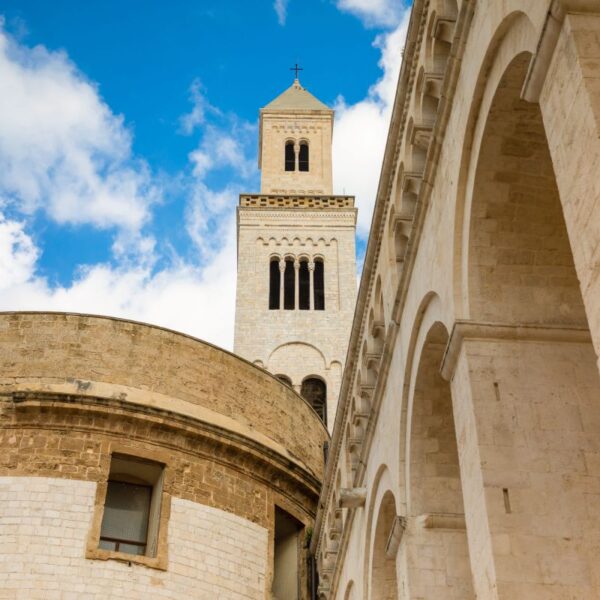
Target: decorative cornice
[[398, 121], [295, 201], [260, 215], [23, 408]]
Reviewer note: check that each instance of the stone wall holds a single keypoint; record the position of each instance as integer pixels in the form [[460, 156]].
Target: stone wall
[[296, 343], [485, 227], [314, 127], [76, 390], [44, 525], [118, 359]]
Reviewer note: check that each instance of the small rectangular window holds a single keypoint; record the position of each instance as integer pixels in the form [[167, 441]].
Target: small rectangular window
[[131, 515], [126, 515]]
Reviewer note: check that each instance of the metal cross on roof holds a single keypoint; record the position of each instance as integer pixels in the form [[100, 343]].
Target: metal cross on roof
[[296, 68]]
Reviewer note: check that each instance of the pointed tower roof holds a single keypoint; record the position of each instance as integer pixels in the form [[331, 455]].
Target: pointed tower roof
[[295, 98]]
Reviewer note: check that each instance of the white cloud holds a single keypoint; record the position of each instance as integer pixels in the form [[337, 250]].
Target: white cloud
[[374, 12], [61, 148], [280, 7], [197, 301], [357, 165], [220, 149], [63, 151], [200, 110], [18, 253]]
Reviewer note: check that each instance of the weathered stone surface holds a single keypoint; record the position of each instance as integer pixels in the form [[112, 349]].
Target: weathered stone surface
[[482, 267]]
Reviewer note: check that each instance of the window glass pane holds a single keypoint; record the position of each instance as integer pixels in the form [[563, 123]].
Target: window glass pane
[[107, 545], [132, 549], [126, 512]]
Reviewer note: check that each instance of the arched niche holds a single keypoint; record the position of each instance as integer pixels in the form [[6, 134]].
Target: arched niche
[[520, 265]]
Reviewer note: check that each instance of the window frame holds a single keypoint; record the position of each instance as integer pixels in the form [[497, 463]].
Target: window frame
[[155, 556]]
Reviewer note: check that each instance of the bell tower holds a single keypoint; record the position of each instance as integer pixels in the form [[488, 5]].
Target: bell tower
[[296, 275], [297, 127]]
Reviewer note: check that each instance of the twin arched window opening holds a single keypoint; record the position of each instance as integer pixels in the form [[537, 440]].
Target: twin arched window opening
[[296, 284], [293, 152]]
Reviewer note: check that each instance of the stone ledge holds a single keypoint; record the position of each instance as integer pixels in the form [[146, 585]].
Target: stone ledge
[[529, 332]]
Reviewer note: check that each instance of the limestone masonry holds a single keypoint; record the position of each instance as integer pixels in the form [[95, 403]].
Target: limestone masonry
[[460, 385], [298, 225]]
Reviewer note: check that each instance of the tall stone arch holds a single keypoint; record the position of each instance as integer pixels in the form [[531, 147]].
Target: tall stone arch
[[525, 387]]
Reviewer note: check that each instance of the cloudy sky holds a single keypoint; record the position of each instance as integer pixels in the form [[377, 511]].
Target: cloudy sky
[[128, 129]]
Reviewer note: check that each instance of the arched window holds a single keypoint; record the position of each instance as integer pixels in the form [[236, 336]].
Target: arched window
[[319, 282], [288, 284], [304, 286], [274, 283], [303, 157], [315, 392], [290, 157], [284, 379]]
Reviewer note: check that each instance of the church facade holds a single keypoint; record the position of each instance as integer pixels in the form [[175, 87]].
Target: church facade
[[464, 460]]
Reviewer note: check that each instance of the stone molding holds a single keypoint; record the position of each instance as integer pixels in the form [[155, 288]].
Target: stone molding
[[540, 63], [529, 332], [260, 215], [295, 201], [76, 414], [147, 401], [399, 118]]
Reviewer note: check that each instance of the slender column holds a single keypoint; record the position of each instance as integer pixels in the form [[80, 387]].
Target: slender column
[[296, 284], [281, 282], [311, 287], [296, 157]]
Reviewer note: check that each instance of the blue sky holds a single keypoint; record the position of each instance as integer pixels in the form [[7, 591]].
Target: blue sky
[[127, 129]]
